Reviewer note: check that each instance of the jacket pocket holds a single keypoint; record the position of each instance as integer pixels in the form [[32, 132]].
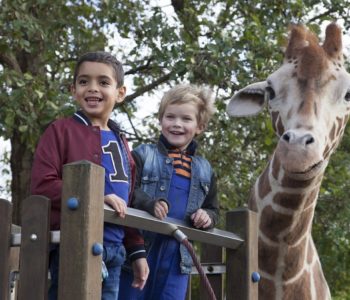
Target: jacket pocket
[[149, 184], [202, 192]]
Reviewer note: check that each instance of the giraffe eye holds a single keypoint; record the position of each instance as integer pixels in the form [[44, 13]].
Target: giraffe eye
[[269, 93], [347, 96]]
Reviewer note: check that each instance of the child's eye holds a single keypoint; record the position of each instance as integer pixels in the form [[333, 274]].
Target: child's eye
[[82, 81], [187, 119], [104, 82]]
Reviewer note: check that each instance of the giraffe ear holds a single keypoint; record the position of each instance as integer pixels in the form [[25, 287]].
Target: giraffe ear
[[247, 101]]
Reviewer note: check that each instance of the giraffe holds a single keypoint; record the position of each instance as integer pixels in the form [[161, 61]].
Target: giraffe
[[308, 99]]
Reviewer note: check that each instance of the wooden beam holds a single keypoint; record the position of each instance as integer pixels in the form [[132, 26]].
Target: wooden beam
[[143, 220], [242, 262], [81, 227], [5, 245], [34, 254], [214, 255]]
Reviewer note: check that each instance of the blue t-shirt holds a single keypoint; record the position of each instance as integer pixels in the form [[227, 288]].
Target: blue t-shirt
[[117, 170]]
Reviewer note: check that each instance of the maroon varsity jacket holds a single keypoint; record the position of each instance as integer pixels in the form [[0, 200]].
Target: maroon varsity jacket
[[68, 140]]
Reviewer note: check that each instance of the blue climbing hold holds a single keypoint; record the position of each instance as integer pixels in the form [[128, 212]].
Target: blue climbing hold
[[255, 277], [97, 249], [72, 203]]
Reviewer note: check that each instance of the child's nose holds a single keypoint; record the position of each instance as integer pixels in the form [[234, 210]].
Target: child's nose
[[177, 122], [93, 87]]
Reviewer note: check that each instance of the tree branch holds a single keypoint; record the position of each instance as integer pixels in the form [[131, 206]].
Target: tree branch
[[136, 135], [326, 13], [10, 62], [140, 68], [188, 19], [178, 5], [151, 86]]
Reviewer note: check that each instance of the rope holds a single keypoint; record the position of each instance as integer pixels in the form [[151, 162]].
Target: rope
[[201, 272], [182, 238]]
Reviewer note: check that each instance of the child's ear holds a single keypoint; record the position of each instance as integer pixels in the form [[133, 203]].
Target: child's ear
[[120, 96], [72, 89], [200, 129]]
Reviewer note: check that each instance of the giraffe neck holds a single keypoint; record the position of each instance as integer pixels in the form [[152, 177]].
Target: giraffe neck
[[287, 255]]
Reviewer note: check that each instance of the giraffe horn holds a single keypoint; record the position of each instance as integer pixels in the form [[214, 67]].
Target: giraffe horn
[[333, 41], [297, 40]]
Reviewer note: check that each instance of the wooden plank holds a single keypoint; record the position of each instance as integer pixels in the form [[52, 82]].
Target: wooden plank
[[212, 254], [143, 220], [14, 263], [35, 237], [14, 271], [80, 270], [5, 245], [241, 263]]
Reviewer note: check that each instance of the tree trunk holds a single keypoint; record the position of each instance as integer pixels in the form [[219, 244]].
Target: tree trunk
[[21, 164]]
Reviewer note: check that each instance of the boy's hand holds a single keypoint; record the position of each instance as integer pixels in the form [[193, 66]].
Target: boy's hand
[[141, 271], [201, 219], [160, 209], [117, 203]]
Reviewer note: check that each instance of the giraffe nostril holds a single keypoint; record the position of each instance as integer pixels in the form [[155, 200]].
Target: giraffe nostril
[[286, 137], [309, 140]]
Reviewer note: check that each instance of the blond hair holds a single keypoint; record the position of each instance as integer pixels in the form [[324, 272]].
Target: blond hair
[[189, 93]]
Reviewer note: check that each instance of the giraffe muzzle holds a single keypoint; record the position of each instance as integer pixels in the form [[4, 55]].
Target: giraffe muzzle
[[305, 140], [299, 155]]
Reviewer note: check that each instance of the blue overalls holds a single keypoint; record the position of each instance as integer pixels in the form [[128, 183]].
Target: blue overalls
[[165, 281]]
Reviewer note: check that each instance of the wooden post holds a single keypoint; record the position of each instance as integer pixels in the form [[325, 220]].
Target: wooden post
[[14, 264], [5, 246], [242, 262], [81, 227], [34, 254], [212, 254]]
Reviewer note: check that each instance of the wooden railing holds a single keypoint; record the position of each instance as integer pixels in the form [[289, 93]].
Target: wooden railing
[[24, 251]]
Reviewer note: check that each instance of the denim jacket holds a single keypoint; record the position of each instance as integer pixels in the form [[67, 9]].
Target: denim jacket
[[154, 172]]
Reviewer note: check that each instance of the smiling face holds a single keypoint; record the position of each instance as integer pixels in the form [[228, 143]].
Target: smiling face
[[96, 91], [179, 124]]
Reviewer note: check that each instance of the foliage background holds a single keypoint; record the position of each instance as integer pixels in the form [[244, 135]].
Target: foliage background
[[223, 44]]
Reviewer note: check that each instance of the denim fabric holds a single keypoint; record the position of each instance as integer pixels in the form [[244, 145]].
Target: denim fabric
[[53, 267], [113, 256], [156, 177], [165, 281]]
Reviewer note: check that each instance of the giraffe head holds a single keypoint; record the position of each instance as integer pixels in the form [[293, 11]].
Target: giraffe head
[[308, 99]]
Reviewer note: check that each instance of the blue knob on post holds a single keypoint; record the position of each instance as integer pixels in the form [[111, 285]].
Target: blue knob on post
[[72, 203], [255, 277], [97, 249]]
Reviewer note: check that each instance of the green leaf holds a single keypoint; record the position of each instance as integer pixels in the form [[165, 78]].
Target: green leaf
[[23, 128]]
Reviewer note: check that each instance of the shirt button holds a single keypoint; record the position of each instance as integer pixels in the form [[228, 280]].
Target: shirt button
[[96, 156], [162, 188], [168, 161]]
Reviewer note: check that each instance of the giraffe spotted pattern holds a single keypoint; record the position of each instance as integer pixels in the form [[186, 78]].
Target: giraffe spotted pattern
[[308, 98]]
